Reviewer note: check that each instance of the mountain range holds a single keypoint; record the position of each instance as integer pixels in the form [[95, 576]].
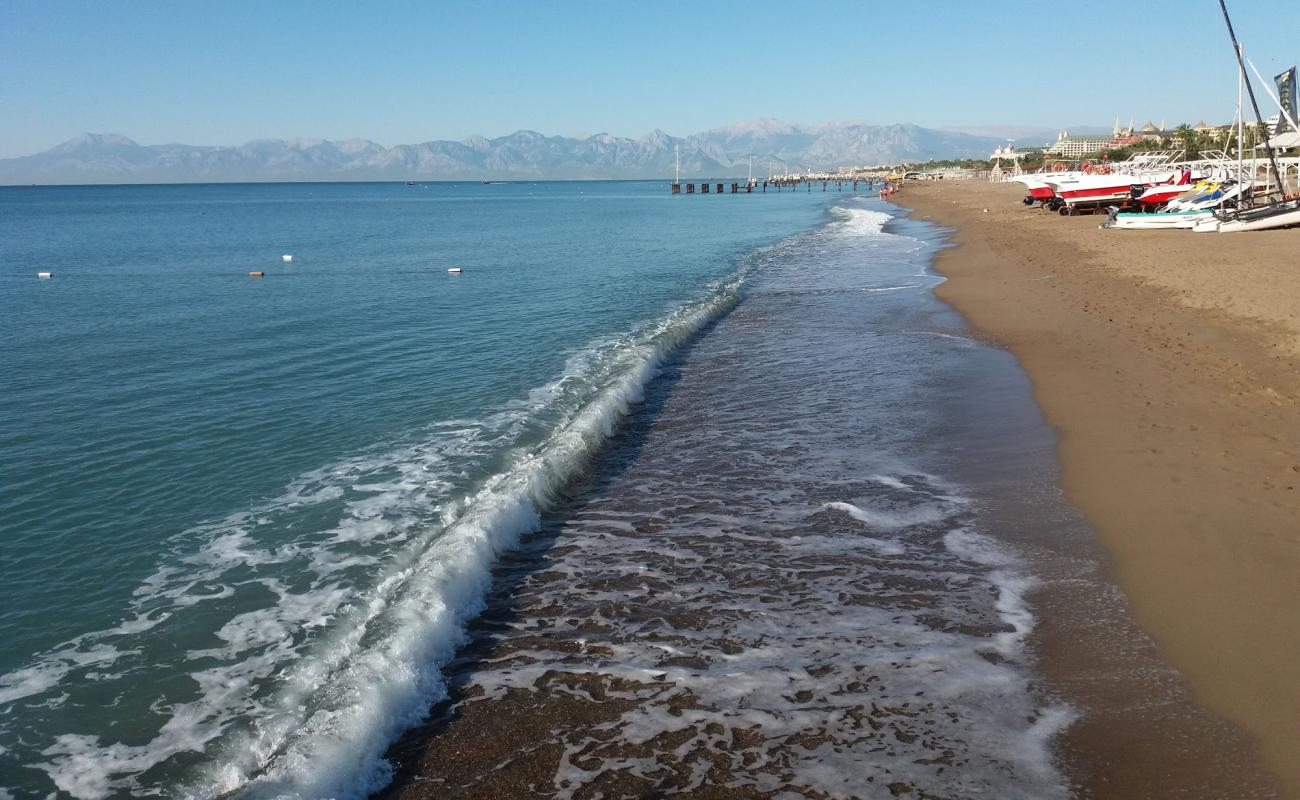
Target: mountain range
[[523, 155]]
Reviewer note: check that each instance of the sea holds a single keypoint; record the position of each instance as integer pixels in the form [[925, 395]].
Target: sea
[[724, 461]]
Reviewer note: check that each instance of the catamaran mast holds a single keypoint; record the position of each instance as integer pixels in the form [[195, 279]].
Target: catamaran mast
[[1250, 90], [1242, 196]]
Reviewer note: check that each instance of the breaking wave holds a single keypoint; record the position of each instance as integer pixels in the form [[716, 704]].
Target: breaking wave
[[320, 647]]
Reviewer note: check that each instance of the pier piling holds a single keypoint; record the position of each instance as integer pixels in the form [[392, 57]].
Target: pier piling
[[843, 182]]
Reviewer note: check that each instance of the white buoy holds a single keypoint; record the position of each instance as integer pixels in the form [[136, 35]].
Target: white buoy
[[45, 274], [453, 271], [286, 258]]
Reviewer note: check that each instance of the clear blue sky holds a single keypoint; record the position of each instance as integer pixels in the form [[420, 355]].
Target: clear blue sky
[[228, 71]]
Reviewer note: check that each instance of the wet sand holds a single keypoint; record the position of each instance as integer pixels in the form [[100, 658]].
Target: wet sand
[[1168, 363]]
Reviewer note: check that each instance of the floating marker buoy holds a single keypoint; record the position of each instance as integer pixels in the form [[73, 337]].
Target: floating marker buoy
[[256, 274], [45, 274], [453, 271], [286, 258]]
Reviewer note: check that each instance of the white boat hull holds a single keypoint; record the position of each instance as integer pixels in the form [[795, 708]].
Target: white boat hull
[[1160, 221], [1281, 218], [1268, 223]]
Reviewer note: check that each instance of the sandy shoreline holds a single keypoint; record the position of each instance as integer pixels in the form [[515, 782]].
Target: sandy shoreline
[[1167, 362], [1170, 417]]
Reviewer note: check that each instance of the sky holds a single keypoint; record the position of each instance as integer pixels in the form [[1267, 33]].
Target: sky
[[405, 72]]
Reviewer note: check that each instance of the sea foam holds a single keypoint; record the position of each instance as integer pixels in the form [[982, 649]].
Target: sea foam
[[302, 691]]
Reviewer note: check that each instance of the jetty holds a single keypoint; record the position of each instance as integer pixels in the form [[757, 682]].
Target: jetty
[[840, 181]]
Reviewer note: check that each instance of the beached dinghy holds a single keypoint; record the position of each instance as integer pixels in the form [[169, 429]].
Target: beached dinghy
[[1158, 221], [1285, 214], [1183, 212]]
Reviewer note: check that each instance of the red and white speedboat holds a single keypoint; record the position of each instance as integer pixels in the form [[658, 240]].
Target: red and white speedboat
[[1099, 189], [1039, 190], [1098, 183], [1164, 192], [1037, 186]]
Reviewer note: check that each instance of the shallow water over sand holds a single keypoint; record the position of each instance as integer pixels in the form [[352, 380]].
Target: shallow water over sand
[[827, 557], [771, 586]]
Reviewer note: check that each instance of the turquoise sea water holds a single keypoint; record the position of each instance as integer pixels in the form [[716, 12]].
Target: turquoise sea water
[[243, 520]]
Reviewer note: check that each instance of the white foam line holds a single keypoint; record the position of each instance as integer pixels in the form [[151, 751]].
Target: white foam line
[[885, 547], [892, 520], [894, 288], [369, 694], [965, 340], [355, 668]]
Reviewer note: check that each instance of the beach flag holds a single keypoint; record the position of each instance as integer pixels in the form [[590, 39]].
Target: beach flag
[[1286, 92]]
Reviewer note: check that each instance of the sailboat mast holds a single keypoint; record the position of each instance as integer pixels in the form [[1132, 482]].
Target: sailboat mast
[[677, 152], [1250, 90], [1241, 135]]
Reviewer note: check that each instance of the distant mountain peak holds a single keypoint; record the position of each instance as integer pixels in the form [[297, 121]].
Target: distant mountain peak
[[358, 146], [760, 126], [91, 141], [838, 124]]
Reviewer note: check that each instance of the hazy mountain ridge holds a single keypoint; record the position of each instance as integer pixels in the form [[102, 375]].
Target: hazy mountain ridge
[[523, 155], [1028, 136]]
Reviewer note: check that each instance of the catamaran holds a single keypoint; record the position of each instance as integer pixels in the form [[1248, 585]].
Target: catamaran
[[1284, 212]]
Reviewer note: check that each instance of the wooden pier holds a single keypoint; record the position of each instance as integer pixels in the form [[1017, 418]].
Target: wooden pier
[[778, 185]]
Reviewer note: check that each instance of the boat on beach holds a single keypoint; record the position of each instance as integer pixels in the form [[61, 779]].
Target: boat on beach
[[1159, 220], [1095, 185], [1160, 194], [1284, 214], [1184, 211], [1095, 190]]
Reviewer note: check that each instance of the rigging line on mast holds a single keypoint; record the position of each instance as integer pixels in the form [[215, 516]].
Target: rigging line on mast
[[1250, 90], [1272, 96]]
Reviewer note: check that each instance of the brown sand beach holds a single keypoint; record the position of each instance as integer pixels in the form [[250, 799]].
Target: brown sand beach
[[1169, 364]]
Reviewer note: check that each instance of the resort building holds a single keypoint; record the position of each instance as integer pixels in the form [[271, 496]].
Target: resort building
[[1068, 146], [1012, 153]]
